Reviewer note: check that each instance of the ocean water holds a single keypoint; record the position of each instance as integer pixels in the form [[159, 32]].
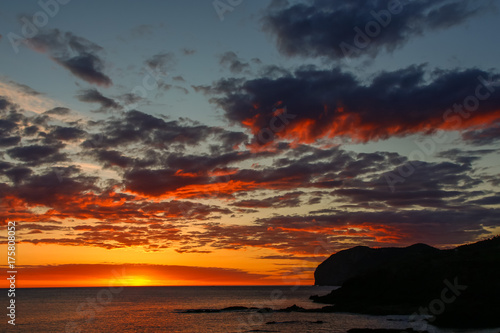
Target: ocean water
[[160, 309]]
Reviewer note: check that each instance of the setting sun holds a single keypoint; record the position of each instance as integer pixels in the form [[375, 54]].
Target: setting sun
[[135, 281]]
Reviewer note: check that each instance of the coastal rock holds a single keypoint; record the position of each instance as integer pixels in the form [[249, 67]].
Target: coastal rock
[[459, 287], [383, 330], [347, 264]]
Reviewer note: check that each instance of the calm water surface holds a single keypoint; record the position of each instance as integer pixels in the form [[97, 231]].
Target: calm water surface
[[157, 309]]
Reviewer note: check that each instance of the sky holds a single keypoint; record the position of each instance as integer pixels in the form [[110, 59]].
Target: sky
[[237, 142]]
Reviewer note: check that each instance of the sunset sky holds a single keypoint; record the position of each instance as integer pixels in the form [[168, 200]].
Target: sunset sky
[[190, 142]]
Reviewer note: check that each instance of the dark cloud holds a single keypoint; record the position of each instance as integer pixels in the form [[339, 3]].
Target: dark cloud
[[111, 158], [481, 137], [178, 78], [142, 31], [187, 51], [30, 130], [231, 140], [4, 103], [139, 127], [291, 199], [37, 154], [463, 156], [7, 125], [9, 141], [293, 257], [233, 62], [311, 104], [16, 175], [4, 165], [162, 62], [158, 182], [53, 187], [66, 133], [94, 96], [489, 200], [45, 227], [76, 54], [25, 89], [328, 28], [182, 90], [9, 122], [59, 111], [130, 99], [10, 125]]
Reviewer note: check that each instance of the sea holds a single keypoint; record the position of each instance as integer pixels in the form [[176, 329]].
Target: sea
[[179, 309]]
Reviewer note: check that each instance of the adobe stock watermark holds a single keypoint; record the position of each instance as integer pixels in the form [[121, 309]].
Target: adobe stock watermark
[[223, 6], [87, 310], [31, 26], [372, 29], [437, 306], [455, 116], [12, 271]]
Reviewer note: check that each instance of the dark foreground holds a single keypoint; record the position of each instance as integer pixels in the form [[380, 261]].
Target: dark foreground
[[459, 288]]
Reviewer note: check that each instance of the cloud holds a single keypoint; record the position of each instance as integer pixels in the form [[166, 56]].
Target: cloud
[[76, 54], [482, 137], [291, 199], [178, 79], [60, 133], [37, 154], [18, 174], [465, 157], [488, 200], [9, 141], [162, 62], [311, 104], [24, 97], [187, 51], [293, 257], [59, 111], [319, 28], [4, 103], [142, 30], [233, 62], [9, 124], [25, 89], [47, 188], [139, 127], [94, 96], [332, 230], [152, 182]]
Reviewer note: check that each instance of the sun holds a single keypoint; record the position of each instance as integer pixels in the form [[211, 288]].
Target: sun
[[135, 281]]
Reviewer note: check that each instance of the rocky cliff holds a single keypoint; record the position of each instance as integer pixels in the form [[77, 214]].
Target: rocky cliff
[[346, 264], [459, 287]]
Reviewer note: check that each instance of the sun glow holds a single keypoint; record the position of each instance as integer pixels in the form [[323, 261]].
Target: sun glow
[[135, 281]]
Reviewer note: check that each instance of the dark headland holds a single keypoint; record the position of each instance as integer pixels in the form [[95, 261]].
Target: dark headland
[[459, 287]]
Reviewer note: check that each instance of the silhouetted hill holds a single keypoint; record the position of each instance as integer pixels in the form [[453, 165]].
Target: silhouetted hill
[[461, 286], [349, 263]]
